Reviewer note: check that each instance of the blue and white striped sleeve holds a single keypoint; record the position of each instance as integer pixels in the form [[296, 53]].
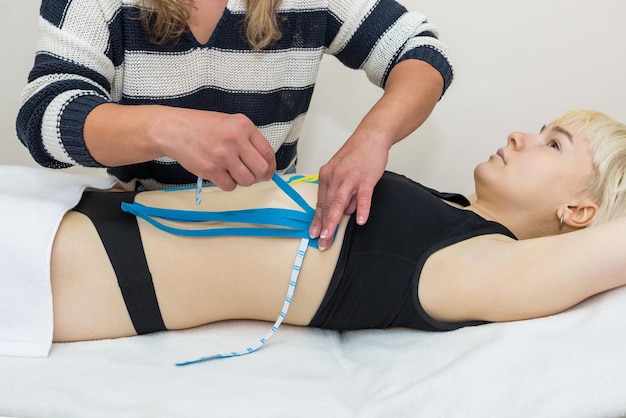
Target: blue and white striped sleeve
[[375, 35], [72, 74]]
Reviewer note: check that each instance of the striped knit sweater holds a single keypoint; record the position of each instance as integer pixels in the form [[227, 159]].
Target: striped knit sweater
[[96, 51]]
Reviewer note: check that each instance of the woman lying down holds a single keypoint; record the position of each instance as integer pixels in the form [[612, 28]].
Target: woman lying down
[[521, 247]]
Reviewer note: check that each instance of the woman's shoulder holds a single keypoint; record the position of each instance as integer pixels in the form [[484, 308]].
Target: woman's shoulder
[[58, 11]]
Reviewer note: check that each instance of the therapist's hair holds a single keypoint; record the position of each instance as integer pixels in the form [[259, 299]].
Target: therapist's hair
[[165, 21], [606, 184]]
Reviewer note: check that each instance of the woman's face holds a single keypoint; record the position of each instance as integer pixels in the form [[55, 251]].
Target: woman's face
[[545, 169]]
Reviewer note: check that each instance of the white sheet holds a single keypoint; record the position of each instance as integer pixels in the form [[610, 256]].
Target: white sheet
[[568, 365], [32, 203]]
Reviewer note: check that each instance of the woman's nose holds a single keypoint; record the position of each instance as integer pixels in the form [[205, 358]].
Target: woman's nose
[[517, 140]]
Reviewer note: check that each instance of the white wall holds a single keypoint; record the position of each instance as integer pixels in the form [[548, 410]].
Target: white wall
[[18, 30], [518, 65]]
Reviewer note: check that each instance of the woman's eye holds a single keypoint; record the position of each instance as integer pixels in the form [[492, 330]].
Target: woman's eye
[[554, 145]]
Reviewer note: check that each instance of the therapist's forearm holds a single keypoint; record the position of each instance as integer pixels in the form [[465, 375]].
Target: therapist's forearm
[[226, 149], [119, 135], [411, 93], [348, 179]]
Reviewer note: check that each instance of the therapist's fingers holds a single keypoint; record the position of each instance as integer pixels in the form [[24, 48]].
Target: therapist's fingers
[[324, 226], [346, 184], [322, 208], [334, 200], [346, 201], [267, 165], [254, 160], [363, 203]]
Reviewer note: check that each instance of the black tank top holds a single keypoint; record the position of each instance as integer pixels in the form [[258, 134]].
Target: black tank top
[[376, 279]]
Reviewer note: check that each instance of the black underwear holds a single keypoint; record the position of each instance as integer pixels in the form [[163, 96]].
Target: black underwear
[[120, 236], [376, 279]]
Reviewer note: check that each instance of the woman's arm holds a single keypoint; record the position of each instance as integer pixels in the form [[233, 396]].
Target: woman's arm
[[494, 278], [69, 114], [399, 51], [226, 149], [347, 181], [72, 74]]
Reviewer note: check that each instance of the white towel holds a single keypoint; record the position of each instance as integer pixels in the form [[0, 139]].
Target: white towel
[[32, 204]]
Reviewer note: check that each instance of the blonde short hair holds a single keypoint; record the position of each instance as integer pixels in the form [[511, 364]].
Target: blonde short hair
[[607, 141]]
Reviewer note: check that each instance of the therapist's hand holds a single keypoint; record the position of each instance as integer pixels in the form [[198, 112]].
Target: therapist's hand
[[348, 179], [346, 184], [226, 149]]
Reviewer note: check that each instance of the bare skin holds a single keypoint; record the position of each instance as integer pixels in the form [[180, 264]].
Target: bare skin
[[203, 18], [194, 278], [490, 277]]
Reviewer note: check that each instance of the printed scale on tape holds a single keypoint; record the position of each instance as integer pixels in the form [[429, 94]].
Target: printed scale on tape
[[284, 222]]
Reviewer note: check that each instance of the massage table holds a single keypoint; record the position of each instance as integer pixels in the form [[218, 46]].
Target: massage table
[[568, 365]]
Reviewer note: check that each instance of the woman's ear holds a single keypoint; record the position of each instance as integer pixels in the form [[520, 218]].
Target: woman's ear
[[580, 215]]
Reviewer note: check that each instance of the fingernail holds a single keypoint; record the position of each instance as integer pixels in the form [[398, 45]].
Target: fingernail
[[322, 247], [324, 234], [314, 233], [360, 220]]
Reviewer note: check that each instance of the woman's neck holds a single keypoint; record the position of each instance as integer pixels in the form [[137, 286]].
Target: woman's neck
[[523, 224], [203, 18]]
